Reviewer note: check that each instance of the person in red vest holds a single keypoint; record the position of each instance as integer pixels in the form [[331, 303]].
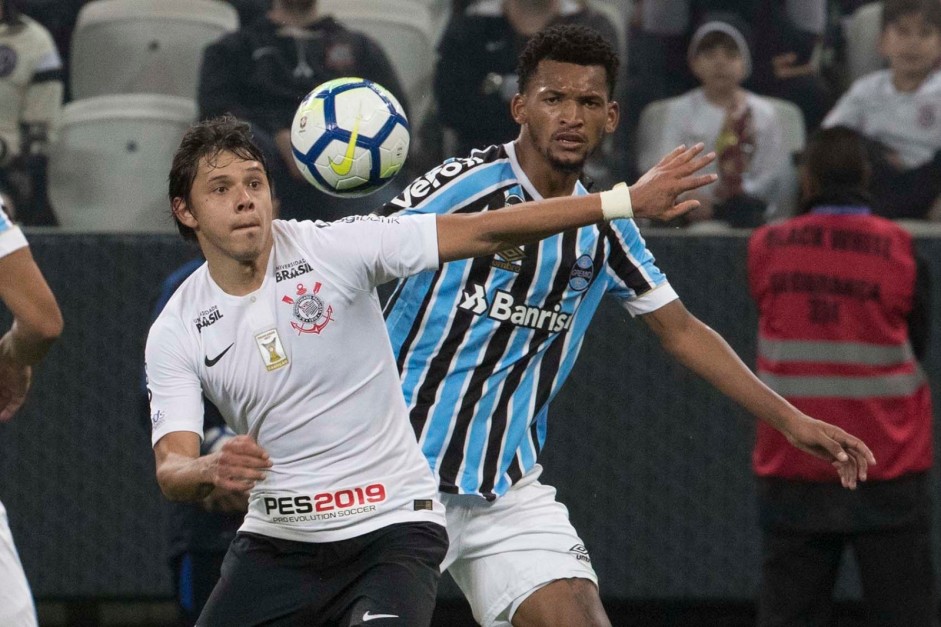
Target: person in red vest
[[843, 317]]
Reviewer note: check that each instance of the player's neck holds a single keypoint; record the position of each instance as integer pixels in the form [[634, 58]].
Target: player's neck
[[237, 277], [549, 180]]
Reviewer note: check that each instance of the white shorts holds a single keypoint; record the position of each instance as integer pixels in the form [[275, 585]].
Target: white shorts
[[16, 601], [503, 551]]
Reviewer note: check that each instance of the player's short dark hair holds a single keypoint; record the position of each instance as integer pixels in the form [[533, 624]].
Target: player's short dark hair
[[568, 44], [837, 158], [207, 139], [895, 10]]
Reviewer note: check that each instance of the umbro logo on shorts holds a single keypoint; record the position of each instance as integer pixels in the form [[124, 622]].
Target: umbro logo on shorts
[[212, 362], [368, 617], [580, 553]]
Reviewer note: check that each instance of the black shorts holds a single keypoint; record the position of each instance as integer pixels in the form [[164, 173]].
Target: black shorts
[[381, 579]]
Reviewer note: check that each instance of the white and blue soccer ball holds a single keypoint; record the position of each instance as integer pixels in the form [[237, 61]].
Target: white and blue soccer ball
[[349, 137]]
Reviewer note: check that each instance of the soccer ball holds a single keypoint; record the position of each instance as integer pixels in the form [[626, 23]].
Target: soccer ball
[[349, 137]]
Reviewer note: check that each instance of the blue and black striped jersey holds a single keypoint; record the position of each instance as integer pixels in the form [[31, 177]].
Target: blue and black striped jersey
[[483, 345]]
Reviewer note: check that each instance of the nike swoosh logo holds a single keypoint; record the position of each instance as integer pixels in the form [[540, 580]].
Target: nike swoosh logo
[[212, 362], [344, 165], [368, 617]]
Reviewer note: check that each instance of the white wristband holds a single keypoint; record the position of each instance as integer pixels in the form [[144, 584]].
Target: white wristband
[[616, 202]]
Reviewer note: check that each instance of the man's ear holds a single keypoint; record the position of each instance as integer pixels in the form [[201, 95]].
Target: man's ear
[[183, 213], [518, 109], [614, 116]]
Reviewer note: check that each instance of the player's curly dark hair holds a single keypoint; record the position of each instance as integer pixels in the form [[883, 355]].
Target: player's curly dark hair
[[207, 139], [568, 44]]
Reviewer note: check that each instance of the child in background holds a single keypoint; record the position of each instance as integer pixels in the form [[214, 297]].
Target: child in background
[[740, 126], [899, 110]]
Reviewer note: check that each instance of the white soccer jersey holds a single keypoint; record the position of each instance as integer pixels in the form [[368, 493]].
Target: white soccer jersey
[[11, 237], [907, 122], [304, 364]]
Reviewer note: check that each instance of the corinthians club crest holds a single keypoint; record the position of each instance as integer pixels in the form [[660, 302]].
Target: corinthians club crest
[[310, 312]]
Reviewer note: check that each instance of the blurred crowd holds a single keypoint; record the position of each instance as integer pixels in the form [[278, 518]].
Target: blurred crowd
[[749, 78]]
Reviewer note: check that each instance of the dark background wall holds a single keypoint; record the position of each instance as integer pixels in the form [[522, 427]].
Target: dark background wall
[[653, 465]]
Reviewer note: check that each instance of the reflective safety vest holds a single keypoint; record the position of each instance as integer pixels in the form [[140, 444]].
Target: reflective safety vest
[[834, 289]]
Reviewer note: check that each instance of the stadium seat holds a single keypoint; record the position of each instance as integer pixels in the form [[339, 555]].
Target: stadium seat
[[862, 41], [618, 11], [108, 169], [795, 136], [144, 46], [440, 14], [795, 131], [407, 31], [652, 119]]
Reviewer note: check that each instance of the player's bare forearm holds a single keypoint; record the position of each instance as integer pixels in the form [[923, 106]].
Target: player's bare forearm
[[181, 473], [25, 345], [706, 353], [37, 321], [653, 196], [184, 475], [473, 235]]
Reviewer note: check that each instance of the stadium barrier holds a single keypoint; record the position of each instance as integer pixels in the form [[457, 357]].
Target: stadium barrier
[[651, 462]]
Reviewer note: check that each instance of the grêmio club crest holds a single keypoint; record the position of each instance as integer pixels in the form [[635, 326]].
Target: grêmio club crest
[[311, 315]]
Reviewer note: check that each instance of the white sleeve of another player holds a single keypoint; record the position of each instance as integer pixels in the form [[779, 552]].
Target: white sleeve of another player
[[173, 387], [11, 237], [372, 250]]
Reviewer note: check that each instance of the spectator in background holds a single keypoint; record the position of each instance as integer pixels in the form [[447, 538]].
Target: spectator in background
[[30, 107], [787, 63], [475, 78], [899, 110], [37, 323], [199, 533], [250, 10], [743, 129], [784, 65], [59, 18], [261, 73], [848, 350]]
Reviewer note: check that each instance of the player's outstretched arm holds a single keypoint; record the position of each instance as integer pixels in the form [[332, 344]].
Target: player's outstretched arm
[[704, 352], [653, 196], [37, 322], [184, 475]]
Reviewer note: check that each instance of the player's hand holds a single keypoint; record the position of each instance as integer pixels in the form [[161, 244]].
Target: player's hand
[[239, 464], [655, 194], [14, 384], [848, 454]]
